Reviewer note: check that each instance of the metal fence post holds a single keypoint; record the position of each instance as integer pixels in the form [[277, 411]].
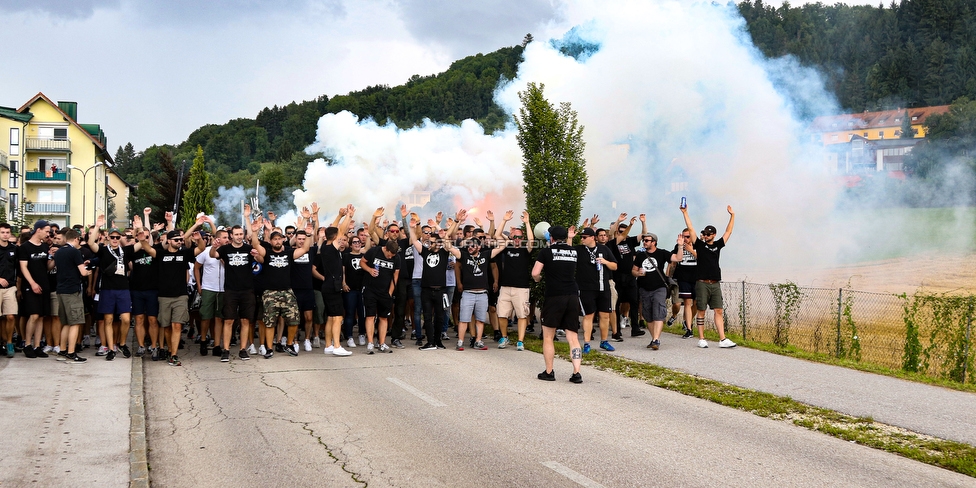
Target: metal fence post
[[840, 305], [742, 309], [969, 326]]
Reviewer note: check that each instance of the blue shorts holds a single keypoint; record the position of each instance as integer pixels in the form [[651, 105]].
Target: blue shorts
[[114, 302], [145, 302]]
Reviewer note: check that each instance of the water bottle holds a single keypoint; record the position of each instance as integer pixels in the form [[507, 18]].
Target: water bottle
[[599, 265], [447, 303], [684, 202]]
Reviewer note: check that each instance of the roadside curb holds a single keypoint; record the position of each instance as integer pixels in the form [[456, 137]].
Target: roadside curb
[[138, 461]]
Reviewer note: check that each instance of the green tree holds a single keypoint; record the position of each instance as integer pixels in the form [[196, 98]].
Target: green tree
[[124, 158], [907, 131], [199, 193], [553, 169]]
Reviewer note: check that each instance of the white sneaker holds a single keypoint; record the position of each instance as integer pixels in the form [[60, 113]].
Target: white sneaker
[[385, 348], [362, 340], [251, 349], [341, 352], [328, 350], [102, 350], [262, 350], [284, 341], [295, 348], [624, 322], [560, 333], [351, 343], [369, 348], [47, 349], [316, 342], [726, 343], [308, 345], [56, 349], [703, 344]]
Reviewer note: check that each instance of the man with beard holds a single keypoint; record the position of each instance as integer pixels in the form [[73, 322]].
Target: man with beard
[[330, 262], [594, 265], [174, 268], [514, 270], [71, 306], [708, 288], [35, 261], [278, 298], [382, 266], [433, 283], [649, 269], [209, 273], [624, 247]]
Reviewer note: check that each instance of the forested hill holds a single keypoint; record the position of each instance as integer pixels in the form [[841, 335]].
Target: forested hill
[[916, 53]]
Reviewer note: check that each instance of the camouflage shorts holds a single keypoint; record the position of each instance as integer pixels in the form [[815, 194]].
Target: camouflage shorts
[[280, 303]]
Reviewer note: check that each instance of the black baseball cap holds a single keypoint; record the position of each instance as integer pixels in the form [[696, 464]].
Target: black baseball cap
[[558, 232]]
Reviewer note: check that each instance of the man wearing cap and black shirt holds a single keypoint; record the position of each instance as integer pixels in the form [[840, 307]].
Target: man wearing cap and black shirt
[[174, 262], [71, 266], [35, 262], [330, 262], [239, 298], [514, 275], [114, 298], [433, 283], [708, 288], [278, 298], [649, 269], [594, 265], [624, 247], [382, 267], [561, 309]]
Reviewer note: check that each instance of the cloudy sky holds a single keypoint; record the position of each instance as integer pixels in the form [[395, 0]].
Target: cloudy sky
[[152, 71]]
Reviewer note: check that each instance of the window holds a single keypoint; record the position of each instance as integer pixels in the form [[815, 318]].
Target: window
[[57, 133], [54, 165], [833, 137], [52, 196], [914, 118], [14, 174], [880, 134], [14, 204], [14, 141]]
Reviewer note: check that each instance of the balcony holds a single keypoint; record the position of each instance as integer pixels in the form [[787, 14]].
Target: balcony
[[4, 160], [45, 208], [48, 144], [46, 177]]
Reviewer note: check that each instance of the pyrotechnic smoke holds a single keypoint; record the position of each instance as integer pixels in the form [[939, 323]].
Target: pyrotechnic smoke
[[675, 101]]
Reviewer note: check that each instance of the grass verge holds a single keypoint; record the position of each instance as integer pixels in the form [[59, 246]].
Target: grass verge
[[951, 455]]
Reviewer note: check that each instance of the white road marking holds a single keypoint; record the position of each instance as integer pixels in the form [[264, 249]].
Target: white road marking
[[573, 475], [417, 393]]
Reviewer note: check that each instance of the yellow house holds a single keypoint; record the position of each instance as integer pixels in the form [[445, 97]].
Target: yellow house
[[65, 166], [13, 125], [871, 126]]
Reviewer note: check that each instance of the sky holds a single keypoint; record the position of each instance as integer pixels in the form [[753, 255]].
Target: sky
[[151, 72]]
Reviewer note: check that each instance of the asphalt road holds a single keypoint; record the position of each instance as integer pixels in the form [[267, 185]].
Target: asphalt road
[[474, 418]]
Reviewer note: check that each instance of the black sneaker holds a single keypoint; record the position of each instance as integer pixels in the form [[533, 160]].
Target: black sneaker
[[291, 350], [224, 356], [217, 351], [576, 378], [126, 353], [637, 332], [420, 342], [62, 355], [244, 355], [203, 348], [270, 354], [654, 345], [440, 346], [397, 344], [75, 359], [428, 347], [547, 376], [471, 342], [155, 353], [671, 320], [618, 337], [39, 352], [278, 347], [29, 352], [110, 355], [174, 361], [688, 334], [498, 335]]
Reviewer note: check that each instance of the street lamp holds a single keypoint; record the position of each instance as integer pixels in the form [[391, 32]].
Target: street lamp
[[84, 187]]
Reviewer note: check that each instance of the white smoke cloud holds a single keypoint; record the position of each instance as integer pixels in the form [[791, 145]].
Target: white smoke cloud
[[675, 102]]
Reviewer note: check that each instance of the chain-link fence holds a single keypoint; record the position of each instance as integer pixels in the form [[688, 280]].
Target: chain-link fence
[[930, 334]]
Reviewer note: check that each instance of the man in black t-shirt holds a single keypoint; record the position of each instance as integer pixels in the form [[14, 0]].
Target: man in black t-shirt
[[594, 265], [71, 268], [35, 262], [561, 309], [278, 298], [649, 269], [433, 284], [686, 274], [8, 289], [624, 246], [174, 262], [708, 288], [382, 267], [239, 298], [514, 276], [330, 262]]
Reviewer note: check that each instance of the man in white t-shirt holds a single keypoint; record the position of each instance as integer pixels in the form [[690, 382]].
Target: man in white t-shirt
[[209, 274]]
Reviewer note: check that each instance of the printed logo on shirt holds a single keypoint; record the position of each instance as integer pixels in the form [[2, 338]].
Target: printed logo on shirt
[[624, 248], [303, 259], [278, 261], [379, 263], [168, 259], [143, 261], [649, 264], [408, 253], [564, 255], [237, 259], [476, 263], [688, 259], [355, 264], [433, 260]]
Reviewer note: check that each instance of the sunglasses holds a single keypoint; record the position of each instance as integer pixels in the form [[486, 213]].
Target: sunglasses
[[115, 238], [394, 231], [177, 239], [356, 242], [708, 233], [427, 232]]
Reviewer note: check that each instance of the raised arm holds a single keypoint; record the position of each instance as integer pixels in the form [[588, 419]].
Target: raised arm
[[491, 223], [93, 236], [688, 224], [529, 234], [728, 228]]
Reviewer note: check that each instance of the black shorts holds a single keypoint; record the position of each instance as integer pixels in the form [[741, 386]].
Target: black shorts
[[562, 312], [593, 301], [627, 291], [492, 298], [306, 300], [36, 304], [239, 304], [377, 304], [144, 302], [686, 290], [333, 304]]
